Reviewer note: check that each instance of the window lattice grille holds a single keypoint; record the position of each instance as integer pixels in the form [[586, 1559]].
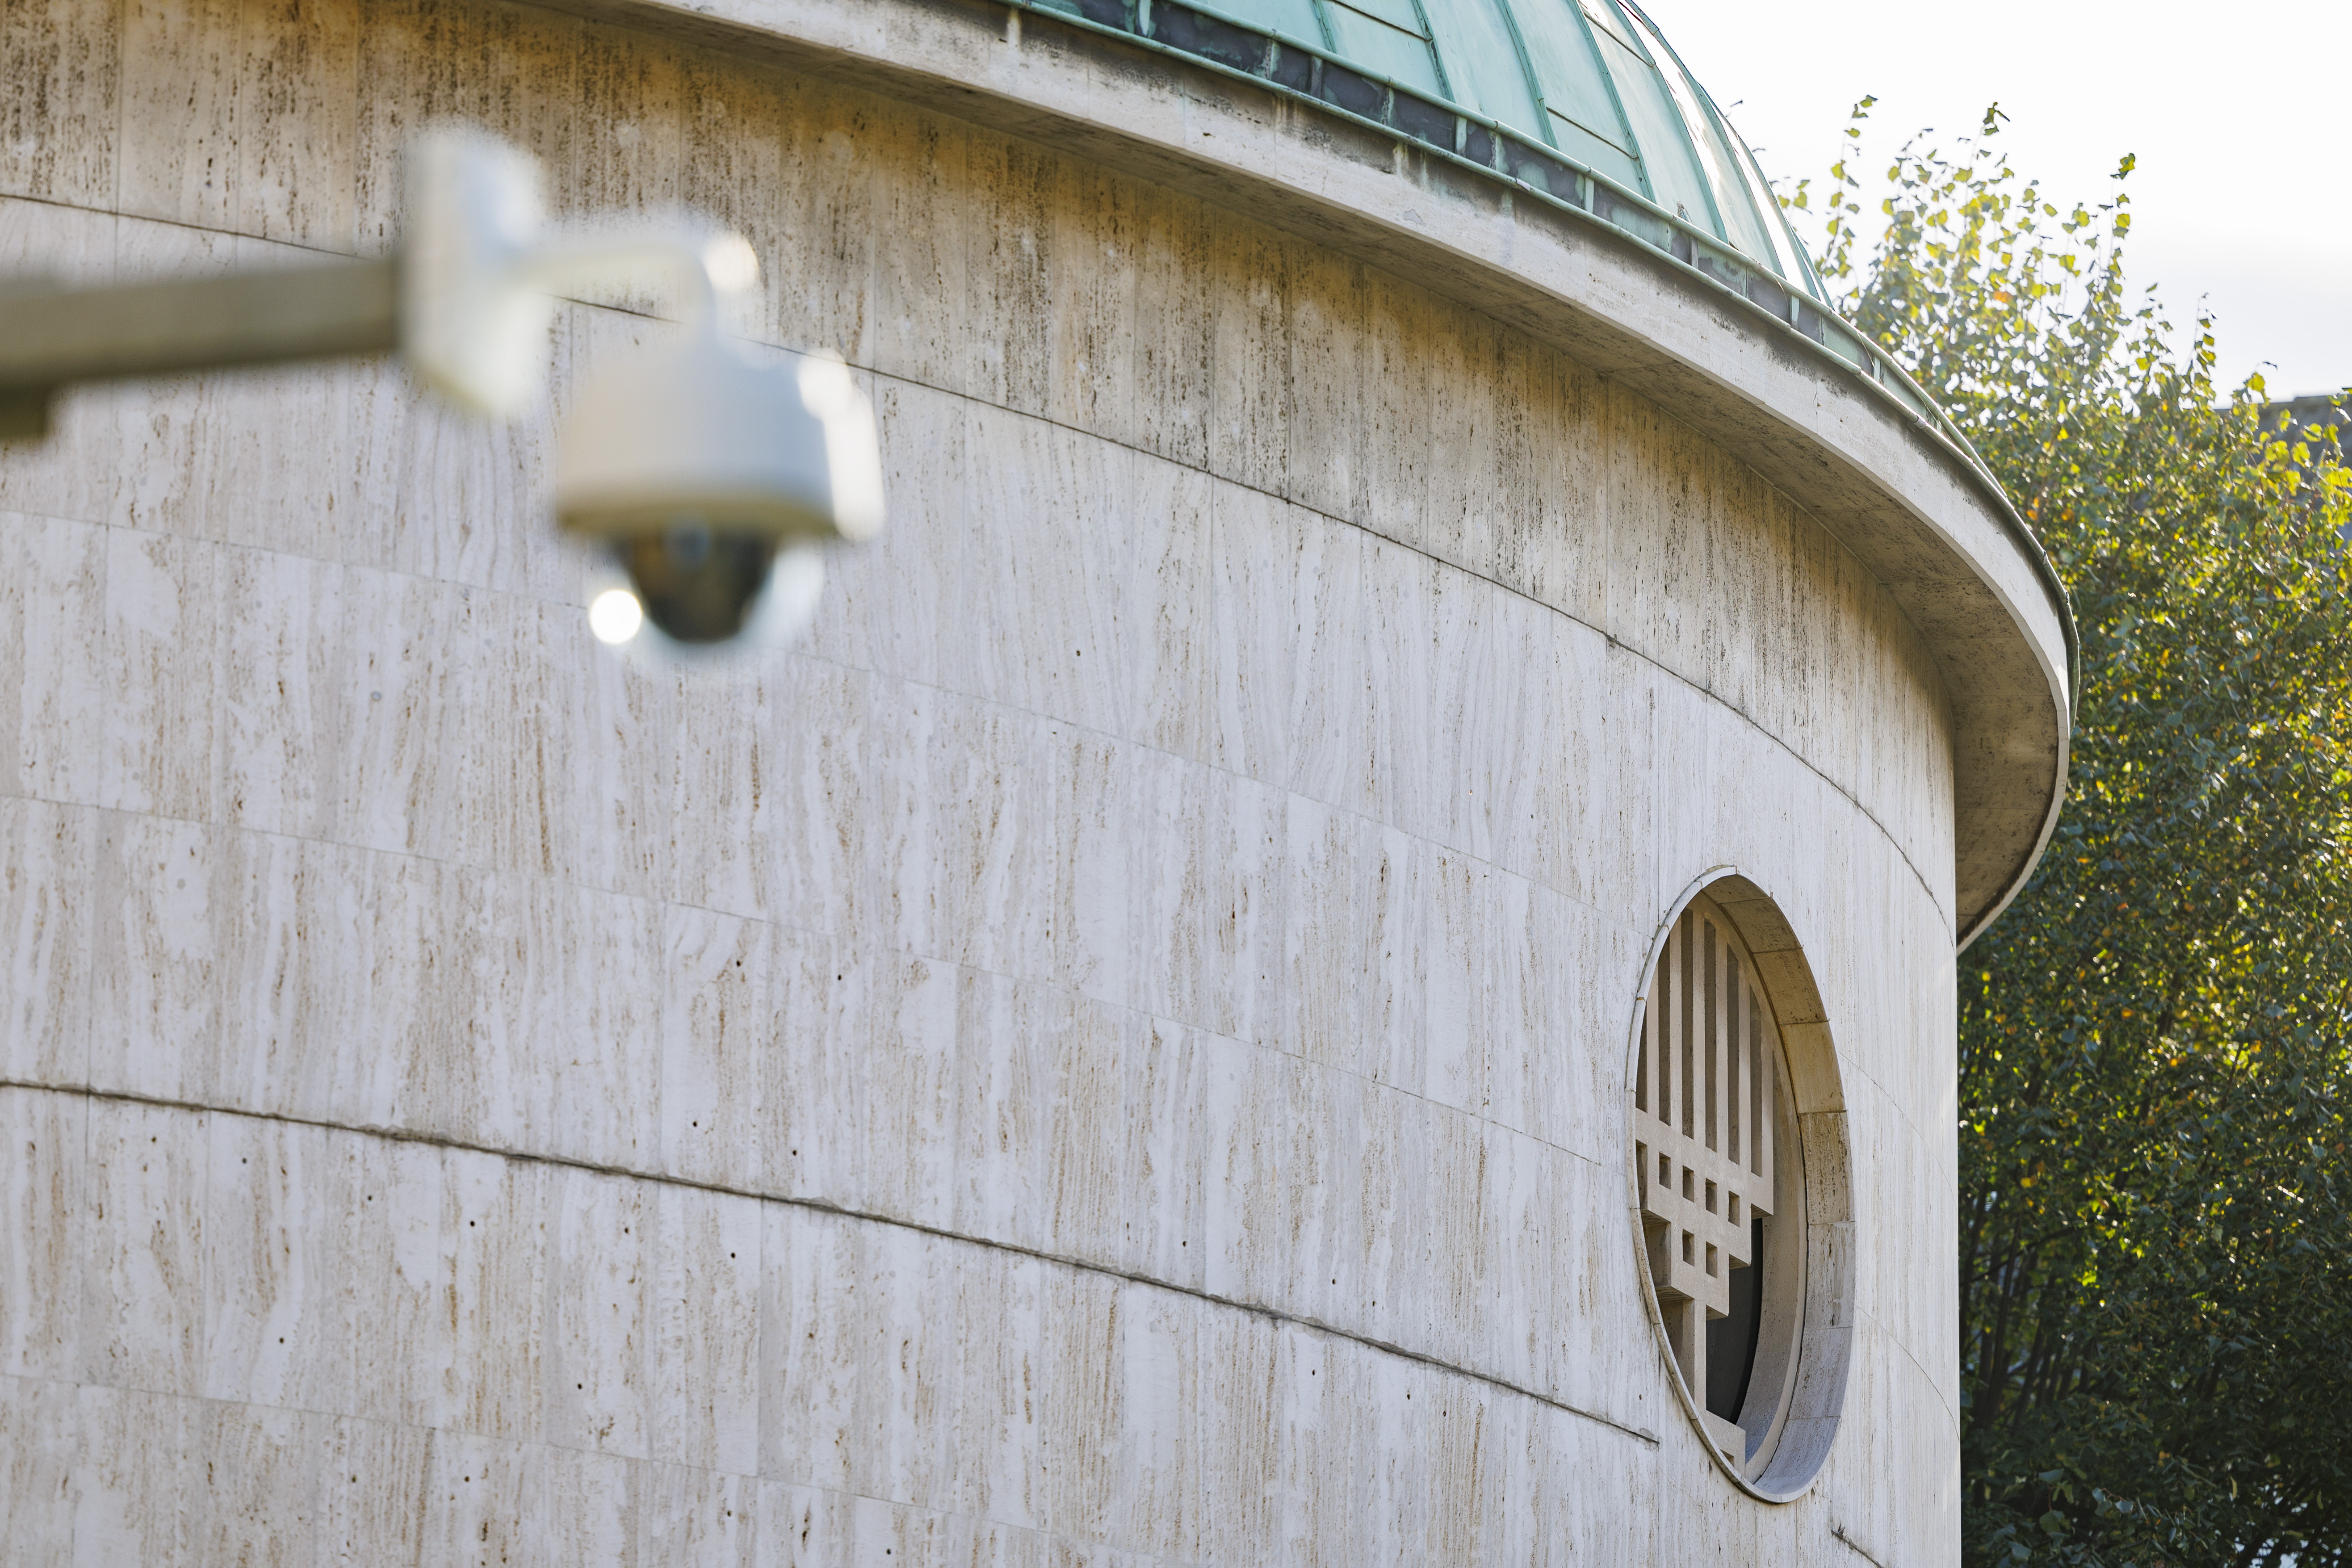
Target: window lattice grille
[[1704, 1098]]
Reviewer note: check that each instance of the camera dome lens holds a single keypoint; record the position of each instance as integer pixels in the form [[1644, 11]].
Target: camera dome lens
[[698, 583]]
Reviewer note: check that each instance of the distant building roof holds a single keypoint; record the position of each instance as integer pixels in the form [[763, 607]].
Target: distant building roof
[[2320, 418]]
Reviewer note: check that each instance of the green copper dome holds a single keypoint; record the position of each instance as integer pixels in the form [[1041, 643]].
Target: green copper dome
[[1593, 80], [1590, 82]]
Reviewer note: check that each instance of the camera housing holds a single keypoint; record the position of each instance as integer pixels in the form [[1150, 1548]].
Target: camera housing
[[711, 473], [696, 466]]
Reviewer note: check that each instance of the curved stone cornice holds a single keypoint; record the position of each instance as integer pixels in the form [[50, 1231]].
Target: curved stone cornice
[[1923, 519]]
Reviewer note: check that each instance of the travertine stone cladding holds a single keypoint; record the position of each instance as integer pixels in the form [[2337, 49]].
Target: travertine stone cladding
[[1119, 1043]]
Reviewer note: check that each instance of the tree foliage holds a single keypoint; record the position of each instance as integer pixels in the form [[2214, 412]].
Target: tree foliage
[[2156, 1242]]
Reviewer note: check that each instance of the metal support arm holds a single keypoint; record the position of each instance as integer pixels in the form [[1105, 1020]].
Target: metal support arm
[[700, 469], [51, 336]]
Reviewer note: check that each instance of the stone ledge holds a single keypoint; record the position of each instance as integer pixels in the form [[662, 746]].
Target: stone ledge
[[1915, 513]]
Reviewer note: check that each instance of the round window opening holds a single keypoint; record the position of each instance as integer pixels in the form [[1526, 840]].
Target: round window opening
[[1733, 1173]]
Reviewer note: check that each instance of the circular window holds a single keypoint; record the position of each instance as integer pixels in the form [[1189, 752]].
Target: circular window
[[1729, 1183]]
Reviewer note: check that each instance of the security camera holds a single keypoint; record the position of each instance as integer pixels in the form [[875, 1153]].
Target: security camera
[[699, 468], [712, 479]]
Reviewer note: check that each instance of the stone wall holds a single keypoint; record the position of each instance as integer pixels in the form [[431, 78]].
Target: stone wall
[[1115, 1051]]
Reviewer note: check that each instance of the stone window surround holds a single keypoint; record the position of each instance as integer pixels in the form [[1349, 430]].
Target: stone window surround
[[1806, 1420]]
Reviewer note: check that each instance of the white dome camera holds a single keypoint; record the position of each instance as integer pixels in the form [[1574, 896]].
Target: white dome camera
[[708, 474], [698, 467]]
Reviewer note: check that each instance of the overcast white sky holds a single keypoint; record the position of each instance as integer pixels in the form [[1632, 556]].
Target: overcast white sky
[[2242, 119]]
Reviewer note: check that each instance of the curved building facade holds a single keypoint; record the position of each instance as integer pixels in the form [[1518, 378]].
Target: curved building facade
[[1339, 947]]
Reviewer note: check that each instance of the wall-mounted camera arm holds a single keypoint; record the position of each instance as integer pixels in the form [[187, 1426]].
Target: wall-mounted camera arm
[[52, 337], [701, 468], [470, 311], [482, 267]]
